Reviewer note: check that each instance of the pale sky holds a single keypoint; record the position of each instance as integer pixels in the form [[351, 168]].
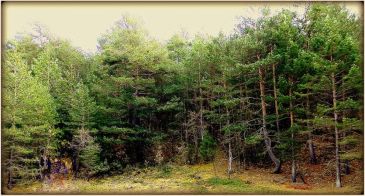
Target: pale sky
[[83, 23]]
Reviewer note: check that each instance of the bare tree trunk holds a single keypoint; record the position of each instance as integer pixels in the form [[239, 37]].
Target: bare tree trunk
[[201, 106], [201, 116], [40, 165], [135, 119], [347, 167], [10, 180], [186, 136], [293, 168], [242, 119], [338, 168], [238, 140], [275, 98], [195, 147], [241, 149], [264, 130], [76, 163], [196, 132], [244, 152], [248, 114], [293, 171], [230, 158], [312, 154], [186, 117]]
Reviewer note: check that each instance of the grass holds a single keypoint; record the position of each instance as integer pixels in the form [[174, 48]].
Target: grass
[[172, 179], [215, 181], [227, 185], [165, 171]]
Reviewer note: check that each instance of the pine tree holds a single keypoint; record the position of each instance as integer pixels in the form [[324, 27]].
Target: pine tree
[[28, 121]]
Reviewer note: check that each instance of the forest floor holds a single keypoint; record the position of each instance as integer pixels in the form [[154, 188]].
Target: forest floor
[[200, 179]]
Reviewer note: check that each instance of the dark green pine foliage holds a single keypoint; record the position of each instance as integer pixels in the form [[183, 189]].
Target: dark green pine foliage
[[129, 91]]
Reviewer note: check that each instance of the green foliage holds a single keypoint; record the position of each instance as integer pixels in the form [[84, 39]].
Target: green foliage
[[90, 156], [253, 139], [352, 156], [82, 107], [207, 148], [349, 140], [29, 116], [174, 104], [348, 104], [351, 124], [232, 128]]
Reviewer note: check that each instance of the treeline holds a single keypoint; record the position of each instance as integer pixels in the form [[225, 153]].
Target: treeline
[[259, 95]]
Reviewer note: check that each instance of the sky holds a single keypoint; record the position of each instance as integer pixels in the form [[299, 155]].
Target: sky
[[84, 22]]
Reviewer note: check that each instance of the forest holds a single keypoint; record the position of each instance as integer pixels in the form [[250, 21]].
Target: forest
[[282, 97]]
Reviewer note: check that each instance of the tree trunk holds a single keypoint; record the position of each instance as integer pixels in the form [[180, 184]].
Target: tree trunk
[[293, 172], [40, 165], [248, 114], [230, 158], [238, 140], [10, 172], [75, 164], [242, 120], [264, 130], [186, 118], [347, 167], [201, 107], [275, 98], [244, 152], [201, 116], [10, 180], [195, 147], [338, 169], [186, 136], [293, 168], [312, 154]]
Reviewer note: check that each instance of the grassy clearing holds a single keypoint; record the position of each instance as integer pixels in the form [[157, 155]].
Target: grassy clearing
[[198, 179]]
